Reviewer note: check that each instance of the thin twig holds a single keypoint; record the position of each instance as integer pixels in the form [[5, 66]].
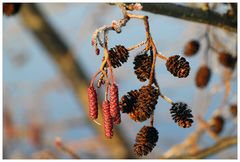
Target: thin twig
[[161, 56], [136, 46], [59, 144], [222, 144], [207, 127]]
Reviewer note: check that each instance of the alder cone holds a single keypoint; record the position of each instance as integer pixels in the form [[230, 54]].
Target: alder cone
[[145, 104], [203, 76], [118, 55], [217, 124], [178, 66], [146, 140], [142, 66], [181, 114], [128, 101], [227, 60], [191, 48]]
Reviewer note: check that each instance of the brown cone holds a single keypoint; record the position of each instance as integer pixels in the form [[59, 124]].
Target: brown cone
[[118, 55], [203, 76], [191, 48], [145, 103], [146, 140], [181, 114], [227, 60], [178, 66], [128, 101], [142, 66], [217, 124]]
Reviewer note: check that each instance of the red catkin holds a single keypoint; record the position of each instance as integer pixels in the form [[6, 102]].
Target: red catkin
[[114, 104], [107, 119], [92, 102]]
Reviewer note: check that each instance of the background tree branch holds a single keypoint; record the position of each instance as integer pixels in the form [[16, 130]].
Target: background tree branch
[[220, 145], [193, 14]]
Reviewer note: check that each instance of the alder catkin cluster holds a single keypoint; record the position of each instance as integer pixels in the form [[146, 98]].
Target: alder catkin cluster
[[138, 104]]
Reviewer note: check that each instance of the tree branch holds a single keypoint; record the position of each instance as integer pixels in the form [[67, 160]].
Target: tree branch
[[192, 14], [222, 144]]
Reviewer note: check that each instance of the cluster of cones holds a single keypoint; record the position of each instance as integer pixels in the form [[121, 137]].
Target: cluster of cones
[[204, 73], [140, 104]]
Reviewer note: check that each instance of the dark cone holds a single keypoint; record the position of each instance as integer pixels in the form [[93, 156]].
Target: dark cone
[[118, 55], [145, 104], [178, 66], [216, 124], [146, 140], [227, 60], [142, 67], [181, 114], [203, 76], [233, 110], [191, 48], [128, 101], [10, 9]]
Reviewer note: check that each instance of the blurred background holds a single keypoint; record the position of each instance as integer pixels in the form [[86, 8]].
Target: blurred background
[[48, 62]]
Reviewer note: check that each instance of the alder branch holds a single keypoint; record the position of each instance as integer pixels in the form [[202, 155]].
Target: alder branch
[[222, 144], [192, 14], [61, 54]]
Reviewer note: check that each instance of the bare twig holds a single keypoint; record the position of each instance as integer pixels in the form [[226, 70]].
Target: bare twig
[[207, 127], [64, 148], [192, 14], [222, 144]]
